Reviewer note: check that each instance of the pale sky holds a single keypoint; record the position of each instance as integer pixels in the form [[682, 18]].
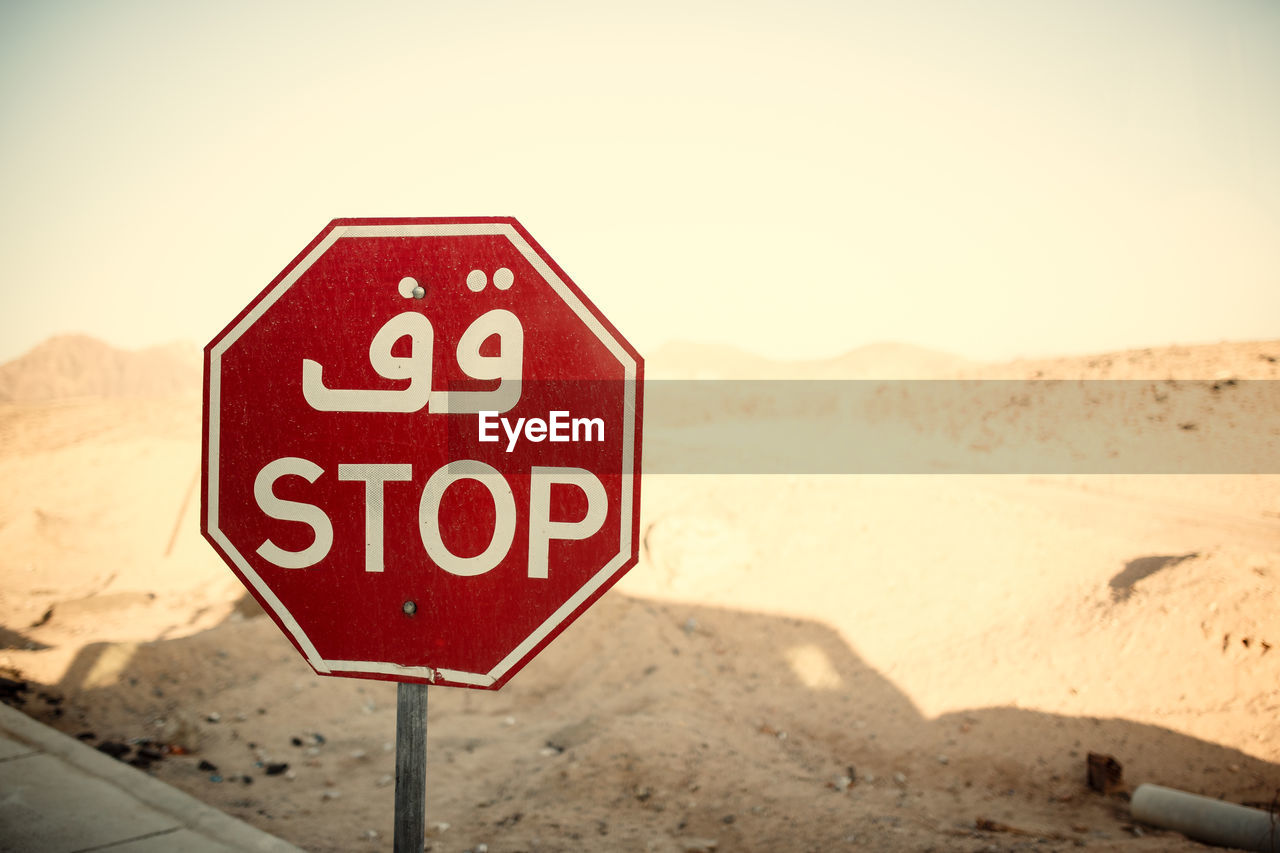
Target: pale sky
[[991, 178]]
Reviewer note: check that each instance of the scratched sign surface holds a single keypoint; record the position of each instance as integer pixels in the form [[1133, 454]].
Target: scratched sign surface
[[422, 449]]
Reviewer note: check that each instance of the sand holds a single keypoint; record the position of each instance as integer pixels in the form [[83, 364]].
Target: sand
[[897, 663]]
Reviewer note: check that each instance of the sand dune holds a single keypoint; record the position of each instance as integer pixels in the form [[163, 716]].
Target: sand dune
[[80, 366], [798, 663], [1217, 362]]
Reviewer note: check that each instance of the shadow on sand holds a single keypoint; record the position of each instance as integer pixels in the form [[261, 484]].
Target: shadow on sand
[[648, 725]]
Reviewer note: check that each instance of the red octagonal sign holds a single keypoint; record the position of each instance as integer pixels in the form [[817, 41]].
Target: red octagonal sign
[[422, 450]]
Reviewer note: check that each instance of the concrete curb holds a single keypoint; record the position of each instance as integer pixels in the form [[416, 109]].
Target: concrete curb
[[182, 810]]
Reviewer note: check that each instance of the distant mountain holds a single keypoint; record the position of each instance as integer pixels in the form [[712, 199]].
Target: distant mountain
[[887, 360], [80, 366], [689, 360], [685, 360]]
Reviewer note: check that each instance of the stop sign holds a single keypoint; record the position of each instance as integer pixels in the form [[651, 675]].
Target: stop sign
[[422, 450]]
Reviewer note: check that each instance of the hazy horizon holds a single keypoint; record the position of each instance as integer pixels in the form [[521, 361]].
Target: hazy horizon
[[666, 345]]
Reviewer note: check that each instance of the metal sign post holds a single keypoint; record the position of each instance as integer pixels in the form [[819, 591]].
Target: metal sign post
[[411, 767], [505, 499]]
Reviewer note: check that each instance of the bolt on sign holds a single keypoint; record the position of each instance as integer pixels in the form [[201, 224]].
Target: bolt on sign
[[422, 450]]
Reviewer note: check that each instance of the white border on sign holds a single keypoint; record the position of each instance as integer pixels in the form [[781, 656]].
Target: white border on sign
[[627, 469]]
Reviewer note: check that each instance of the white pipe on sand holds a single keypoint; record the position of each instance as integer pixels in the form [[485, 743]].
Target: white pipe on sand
[[1203, 819]]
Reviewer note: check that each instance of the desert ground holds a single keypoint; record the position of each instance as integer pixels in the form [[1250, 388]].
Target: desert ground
[[891, 661]]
